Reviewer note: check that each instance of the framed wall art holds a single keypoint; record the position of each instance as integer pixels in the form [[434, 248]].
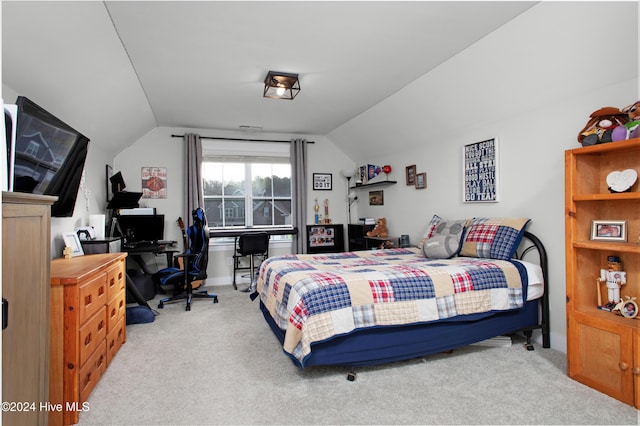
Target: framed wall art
[[411, 174], [154, 182], [322, 181], [609, 230], [480, 172], [376, 198], [421, 180]]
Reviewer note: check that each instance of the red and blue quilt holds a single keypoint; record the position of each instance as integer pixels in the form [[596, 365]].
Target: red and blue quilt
[[313, 298]]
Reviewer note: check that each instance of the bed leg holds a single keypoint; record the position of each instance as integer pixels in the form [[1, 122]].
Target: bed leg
[[351, 376], [529, 345]]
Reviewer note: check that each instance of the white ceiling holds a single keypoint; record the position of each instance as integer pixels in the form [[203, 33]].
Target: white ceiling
[[115, 70]]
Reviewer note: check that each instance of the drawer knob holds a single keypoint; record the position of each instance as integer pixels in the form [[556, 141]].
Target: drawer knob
[[636, 371], [623, 366]]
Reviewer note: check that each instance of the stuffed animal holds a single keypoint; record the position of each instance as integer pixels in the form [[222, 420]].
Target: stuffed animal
[[380, 230], [631, 129], [601, 124]]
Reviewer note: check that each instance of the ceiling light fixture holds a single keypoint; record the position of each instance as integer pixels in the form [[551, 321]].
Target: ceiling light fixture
[[281, 85]]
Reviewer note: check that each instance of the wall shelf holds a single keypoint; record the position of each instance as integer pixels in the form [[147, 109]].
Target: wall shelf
[[374, 184]]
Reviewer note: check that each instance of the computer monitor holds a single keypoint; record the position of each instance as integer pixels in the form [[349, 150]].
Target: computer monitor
[[141, 228]]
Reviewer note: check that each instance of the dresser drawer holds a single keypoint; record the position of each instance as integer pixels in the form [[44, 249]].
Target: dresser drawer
[[116, 280], [116, 310], [92, 297], [91, 372], [115, 339], [92, 334]]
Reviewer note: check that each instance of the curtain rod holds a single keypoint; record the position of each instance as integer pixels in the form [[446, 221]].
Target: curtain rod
[[238, 139]]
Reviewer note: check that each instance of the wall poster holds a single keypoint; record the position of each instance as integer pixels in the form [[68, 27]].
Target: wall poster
[[154, 182], [480, 172]]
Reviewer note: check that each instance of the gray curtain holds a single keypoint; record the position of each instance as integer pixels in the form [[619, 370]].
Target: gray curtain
[[299, 187], [193, 195]]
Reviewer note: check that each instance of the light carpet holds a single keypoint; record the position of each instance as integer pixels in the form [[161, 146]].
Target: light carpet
[[221, 364]]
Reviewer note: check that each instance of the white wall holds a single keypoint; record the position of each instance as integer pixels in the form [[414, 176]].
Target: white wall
[[532, 84], [159, 149]]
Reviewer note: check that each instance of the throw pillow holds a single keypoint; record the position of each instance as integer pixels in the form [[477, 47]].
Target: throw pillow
[[493, 238], [445, 240]]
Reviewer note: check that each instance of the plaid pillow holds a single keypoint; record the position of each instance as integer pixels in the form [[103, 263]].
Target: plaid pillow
[[493, 238], [431, 229]]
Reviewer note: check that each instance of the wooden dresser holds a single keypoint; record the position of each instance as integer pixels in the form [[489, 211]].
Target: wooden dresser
[[88, 326], [26, 243]]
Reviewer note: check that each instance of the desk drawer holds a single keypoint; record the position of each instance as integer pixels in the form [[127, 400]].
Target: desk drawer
[[116, 280], [91, 372], [92, 334], [115, 339], [116, 310], [92, 297]]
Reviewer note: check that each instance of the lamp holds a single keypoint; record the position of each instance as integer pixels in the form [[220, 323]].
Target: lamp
[[351, 195], [281, 85]]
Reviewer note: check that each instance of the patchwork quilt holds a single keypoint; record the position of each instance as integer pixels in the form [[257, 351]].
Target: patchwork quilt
[[313, 298]]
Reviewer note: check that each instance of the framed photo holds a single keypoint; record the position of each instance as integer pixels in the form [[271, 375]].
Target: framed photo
[[480, 172], [411, 174], [376, 198], [421, 181], [630, 309], [108, 174], [322, 181], [609, 230], [71, 240]]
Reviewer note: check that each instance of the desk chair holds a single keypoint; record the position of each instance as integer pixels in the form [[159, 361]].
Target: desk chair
[[194, 261], [251, 245]]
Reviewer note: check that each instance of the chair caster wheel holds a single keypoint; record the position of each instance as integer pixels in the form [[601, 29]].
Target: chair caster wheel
[[160, 305], [215, 300], [188, 307], [351, 376]]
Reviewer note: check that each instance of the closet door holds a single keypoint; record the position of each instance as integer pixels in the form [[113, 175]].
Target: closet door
[[26, 245]]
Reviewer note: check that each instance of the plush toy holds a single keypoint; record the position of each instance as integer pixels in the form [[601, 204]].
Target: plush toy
[[631, 129], [601, 124], [380, 230]]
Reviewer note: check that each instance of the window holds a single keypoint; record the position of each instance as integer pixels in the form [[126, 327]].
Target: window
[[246, 190]]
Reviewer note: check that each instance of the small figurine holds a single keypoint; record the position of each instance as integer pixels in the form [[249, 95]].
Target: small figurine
[[615, 278], [316, 208], [326, 211], [67, 252]]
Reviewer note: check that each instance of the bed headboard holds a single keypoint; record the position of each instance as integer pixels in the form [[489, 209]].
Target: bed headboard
[[532, 244]]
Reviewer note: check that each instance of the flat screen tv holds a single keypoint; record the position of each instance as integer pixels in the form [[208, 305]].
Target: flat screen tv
[[49, 156]]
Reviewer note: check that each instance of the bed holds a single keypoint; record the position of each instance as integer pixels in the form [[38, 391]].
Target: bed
[[373, 307]]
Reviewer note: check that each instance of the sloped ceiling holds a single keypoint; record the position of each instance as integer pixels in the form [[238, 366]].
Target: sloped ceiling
[[115, 70]]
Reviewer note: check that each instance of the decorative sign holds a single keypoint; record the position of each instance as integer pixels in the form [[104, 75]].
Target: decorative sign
[[480, 172], [154, 182]]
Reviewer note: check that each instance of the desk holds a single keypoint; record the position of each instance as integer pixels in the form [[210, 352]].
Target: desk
[[236, 232], [162, 247]]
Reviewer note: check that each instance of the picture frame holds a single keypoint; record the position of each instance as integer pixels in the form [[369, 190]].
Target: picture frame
[[629, 309], [411, 174], [108, 174], [71, 240], [480, 178], [322, 181], [421, 180], [376, 198], [154, 182], [609, 230]]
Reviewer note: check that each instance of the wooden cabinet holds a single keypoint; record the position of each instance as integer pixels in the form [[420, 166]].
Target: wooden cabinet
[[325, 238], [603, 348], [26, 242], [88, 326]]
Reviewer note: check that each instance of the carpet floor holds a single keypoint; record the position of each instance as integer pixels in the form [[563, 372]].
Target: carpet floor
[[221, 364]]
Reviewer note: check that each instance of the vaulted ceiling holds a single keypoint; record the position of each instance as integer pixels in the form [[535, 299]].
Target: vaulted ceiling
[[116, 70]]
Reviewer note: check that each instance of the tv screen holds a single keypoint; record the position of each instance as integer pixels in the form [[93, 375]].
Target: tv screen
[[49, 156]]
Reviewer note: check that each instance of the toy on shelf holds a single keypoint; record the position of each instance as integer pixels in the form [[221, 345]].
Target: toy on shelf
[[614, 278], [631, 129], [380, 230], [601, 124]]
